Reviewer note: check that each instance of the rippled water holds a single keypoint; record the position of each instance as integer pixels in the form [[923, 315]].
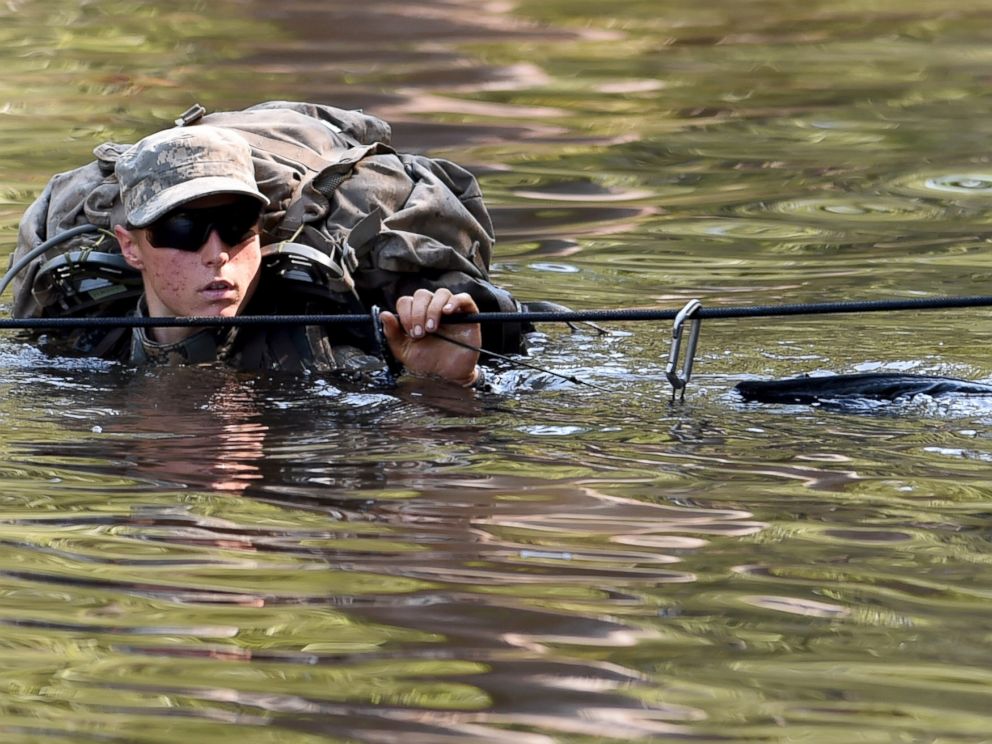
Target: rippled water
[[197, 555]]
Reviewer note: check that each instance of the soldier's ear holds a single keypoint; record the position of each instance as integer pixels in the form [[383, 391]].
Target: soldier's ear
[[130, 249]]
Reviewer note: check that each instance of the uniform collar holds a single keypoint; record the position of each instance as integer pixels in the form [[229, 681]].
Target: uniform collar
[[206, 345]]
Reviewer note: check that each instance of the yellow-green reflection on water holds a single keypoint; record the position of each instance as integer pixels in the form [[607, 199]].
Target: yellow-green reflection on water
[[76, 74]]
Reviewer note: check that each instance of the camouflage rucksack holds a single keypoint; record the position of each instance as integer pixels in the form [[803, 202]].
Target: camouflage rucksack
[[351, 221]]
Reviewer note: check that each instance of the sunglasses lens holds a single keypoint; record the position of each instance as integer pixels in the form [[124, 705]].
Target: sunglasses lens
[[239, 222], [188, 230], [179, 230]]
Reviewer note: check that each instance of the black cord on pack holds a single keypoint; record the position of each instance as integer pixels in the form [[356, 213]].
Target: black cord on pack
[[40, 249]]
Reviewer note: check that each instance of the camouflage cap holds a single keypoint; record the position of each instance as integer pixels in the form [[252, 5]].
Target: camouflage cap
[[174, 166]]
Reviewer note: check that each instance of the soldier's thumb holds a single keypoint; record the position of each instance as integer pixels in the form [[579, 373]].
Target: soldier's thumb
[[393, 332]]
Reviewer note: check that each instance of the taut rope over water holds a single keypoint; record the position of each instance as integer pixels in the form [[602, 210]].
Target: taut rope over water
[[692, 313], [524, 316]]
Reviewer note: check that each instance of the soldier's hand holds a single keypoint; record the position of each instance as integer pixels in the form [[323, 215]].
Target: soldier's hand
[[413, 335]]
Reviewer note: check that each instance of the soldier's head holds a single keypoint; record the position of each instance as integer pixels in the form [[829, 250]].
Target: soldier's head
[[192, 221]]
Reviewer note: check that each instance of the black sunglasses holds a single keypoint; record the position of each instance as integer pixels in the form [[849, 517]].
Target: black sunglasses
[[189, 229]]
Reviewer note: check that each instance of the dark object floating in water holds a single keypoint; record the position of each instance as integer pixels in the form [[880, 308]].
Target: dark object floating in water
[[873, 386]]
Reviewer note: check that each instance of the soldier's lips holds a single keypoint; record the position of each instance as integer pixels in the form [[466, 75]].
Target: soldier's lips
[[218, 290]]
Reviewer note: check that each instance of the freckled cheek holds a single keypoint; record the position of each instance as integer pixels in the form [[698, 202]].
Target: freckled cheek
[[246, 263], [247, 258], [170, 281]]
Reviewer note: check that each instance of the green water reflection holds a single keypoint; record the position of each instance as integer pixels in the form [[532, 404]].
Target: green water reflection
[[196, 555]]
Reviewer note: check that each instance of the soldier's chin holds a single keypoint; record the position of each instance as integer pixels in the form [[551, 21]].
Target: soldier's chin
[[222, 310]]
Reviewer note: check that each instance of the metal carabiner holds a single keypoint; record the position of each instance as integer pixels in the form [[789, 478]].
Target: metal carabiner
[[393, 365], [679, 380], [378, 335]]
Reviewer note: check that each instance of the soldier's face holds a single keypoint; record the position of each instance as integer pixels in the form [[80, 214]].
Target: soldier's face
[[218, 279]]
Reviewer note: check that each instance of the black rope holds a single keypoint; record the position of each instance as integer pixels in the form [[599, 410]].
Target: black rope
[[751, 311], [186, 322], [572, 316], [520, 363]]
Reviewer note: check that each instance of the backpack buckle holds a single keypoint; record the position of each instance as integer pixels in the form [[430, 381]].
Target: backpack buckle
[[191, 115], [680, 379], [307, 268]]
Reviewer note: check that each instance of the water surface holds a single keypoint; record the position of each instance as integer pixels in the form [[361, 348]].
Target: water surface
[[199, 555]]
